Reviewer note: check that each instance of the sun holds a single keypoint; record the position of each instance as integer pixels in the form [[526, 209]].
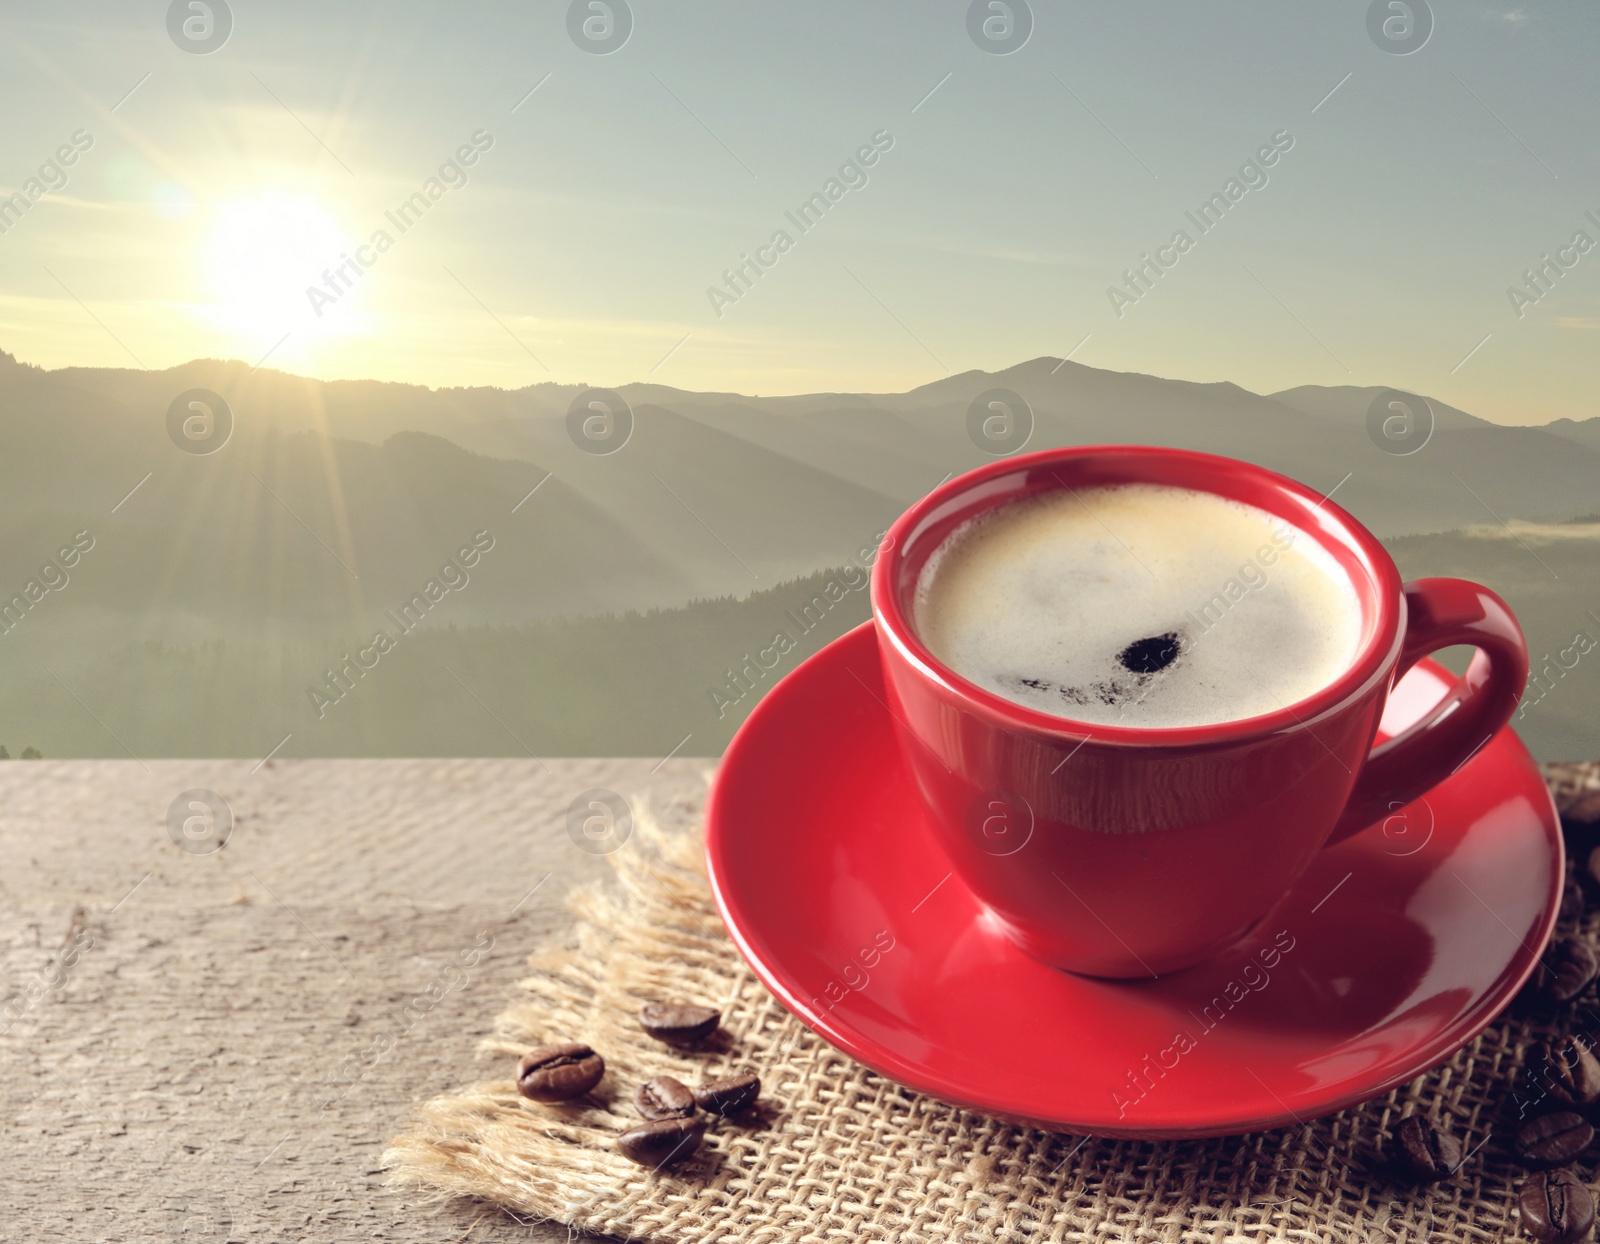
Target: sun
[[263, 252]]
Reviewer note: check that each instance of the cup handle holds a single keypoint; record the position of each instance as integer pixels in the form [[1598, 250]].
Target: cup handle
[[1440, 613]]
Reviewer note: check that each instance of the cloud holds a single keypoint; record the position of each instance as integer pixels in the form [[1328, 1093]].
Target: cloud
[[1539, 533]]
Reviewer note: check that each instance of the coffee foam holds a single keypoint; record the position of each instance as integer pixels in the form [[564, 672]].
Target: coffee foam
[[1139, 605]]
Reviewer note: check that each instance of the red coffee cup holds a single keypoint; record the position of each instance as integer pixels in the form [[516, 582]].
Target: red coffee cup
[[1122, 851]]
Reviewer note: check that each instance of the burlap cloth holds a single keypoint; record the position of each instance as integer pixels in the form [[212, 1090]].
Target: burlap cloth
[[841, 1154]]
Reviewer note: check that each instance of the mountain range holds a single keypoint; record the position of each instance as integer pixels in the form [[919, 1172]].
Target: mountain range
[[332, 502]]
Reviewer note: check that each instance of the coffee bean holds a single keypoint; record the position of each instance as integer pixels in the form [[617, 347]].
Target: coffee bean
[[1573, 901], [1581, 839], [1569, 1072], [1566, 969], [679, 1023], [1580, 826], [728, 1095], [1552, 1139], [1582, 811], [1425, 1150], [661, 1141], [664, 1098], [1589, 872], [1556, 1207], [559, 1072]]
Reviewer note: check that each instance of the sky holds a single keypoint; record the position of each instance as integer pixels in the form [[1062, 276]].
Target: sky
[[1009, 194]]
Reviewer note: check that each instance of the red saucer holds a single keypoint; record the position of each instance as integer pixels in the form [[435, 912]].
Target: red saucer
[[1396, 948]]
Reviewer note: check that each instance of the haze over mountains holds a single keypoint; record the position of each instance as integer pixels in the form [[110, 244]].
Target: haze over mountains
[[333, 502]]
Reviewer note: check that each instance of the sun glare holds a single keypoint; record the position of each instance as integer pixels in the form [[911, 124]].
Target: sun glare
[[264, 251]]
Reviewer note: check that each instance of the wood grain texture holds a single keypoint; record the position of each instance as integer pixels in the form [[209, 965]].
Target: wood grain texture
[[206, 1047], [188, 1039]]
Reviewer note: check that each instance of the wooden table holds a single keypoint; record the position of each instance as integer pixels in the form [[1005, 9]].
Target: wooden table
[[189, 1038]]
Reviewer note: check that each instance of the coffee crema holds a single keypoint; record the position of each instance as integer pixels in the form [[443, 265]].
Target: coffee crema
[[1139, 605]]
